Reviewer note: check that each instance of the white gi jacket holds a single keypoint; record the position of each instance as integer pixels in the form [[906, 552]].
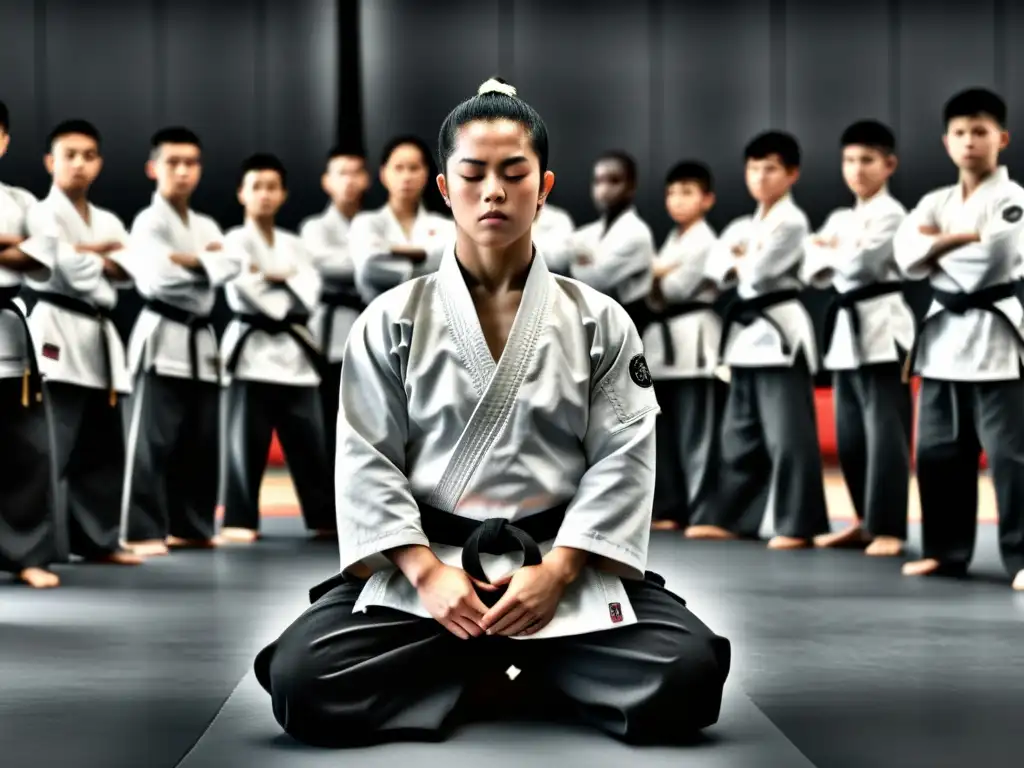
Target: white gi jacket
[[975, 346], [622, 257], [273, 358], [157, 342], [863, 256], [774, 252], [14, 351], [326, 237], [69, 344], [374, 233], [695, 337], [553, 235], [567, 413]]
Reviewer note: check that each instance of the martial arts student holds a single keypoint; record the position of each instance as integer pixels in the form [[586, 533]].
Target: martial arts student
[[326, 237], [770, 458], [402, 239], [494, 391], [27, 541], [682, 350], [81, 355], [553, 232], [869, 330], [615, 253], [965, 239], [272, 361], [177, 260]]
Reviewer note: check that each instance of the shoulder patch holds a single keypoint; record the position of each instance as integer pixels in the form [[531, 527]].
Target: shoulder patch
[[1013, 213], [639, 372]]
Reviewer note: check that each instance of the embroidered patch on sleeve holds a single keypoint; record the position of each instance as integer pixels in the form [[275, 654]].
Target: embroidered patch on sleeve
[[615, 612], [639, 372], [1013, 213], [51, 351]]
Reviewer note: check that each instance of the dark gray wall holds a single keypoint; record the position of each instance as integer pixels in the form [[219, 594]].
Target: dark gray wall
[[666, 79]]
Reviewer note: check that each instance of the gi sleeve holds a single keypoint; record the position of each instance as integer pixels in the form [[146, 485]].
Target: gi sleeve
[[83, 272], [616, 261], [819, 262], [721, 261], [306, 283], [114, 230], [685, 281], [377, 269], [376, 510], [148, 260], [556, 244], [610, 514], [766, 262], [993, 259], [867, 258], [910, 247], [220, 266], [435, 246], [334, 260]]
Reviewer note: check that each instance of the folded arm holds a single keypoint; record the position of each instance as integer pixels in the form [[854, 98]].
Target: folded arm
[[614, 262], [334, 260], [778, 255]]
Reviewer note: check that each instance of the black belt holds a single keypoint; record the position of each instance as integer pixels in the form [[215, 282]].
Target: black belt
[[662, 317], [100, 314], [746, 311], [31, 381], [194, 323], [959, 304], [347, 297], [292, 325], [850, 300]]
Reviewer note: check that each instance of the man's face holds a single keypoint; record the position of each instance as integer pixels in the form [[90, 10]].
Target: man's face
[[74, 162]]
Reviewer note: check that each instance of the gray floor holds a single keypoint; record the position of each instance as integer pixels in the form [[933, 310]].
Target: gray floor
[[838, 661]]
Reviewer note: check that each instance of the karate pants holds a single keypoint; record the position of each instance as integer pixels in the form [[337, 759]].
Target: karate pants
[[256, 410], [330, 396], [687, 433], [338, 678], [171, 475], [88, 449], [956, 421], [874, 411], [770, 454], [27, 532]]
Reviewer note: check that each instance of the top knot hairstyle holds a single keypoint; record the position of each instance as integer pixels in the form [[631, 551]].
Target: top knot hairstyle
[[495, 99]]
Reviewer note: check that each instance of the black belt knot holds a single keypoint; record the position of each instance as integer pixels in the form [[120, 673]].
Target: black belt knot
[[31, 381], [747, 311]]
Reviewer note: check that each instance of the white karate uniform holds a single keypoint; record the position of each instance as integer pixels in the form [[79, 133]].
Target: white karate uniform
[[14, 206], [974, 346], [566, 415], [374, 233], [695, 336], [863, 256], [774, 252], [553, 235], [271, 358], [327, 238], [69, 344], [158, 343], [622, 257]]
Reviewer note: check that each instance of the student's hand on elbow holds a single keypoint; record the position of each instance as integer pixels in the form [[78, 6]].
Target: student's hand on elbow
[[928, 229], [186, 260], [214, 247], [449, 595], [529, 603]]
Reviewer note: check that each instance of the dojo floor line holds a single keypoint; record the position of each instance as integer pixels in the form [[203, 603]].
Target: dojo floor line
[[213, 719]]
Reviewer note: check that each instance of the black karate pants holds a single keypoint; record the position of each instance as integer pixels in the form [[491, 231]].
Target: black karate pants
[[330, 396], [255, 410], [687, 432], [338, 678], [770, 451], [874, 413], [956, 421], [88, 444], [171, 476], [27, 532]]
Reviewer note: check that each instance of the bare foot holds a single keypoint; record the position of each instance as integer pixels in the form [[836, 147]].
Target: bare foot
[[849, 538], [924, 567], [238, 535], [175, 543], [788, 542], [118, 558], [1018, 582], [37, 578], [709, 532], [884, 546], [664, 525], [149, 548]]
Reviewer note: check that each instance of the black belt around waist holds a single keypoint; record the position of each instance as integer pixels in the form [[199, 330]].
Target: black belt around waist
[[850, 300], [31, 381], [661, 318], [746, 311], [960, 303], [292, 325], [194, 323], [346, 298], [100, 314]]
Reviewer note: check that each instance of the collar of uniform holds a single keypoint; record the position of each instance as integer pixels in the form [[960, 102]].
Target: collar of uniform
[[1000, 175], [333, 215], [781, 208], [420, 212], [253, 230], [696, 230], [162, 204], [880, 195]]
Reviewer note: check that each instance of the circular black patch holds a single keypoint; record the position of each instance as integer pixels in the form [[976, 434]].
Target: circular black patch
[[639, 372], [1013, 213]]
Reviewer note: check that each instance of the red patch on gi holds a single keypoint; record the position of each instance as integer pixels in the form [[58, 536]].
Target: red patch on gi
[[615, 611], [51, 351]]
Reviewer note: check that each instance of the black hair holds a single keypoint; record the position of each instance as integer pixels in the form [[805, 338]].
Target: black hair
[[343, 150], [262, 161], [492, 102], [5, 118], [173, 135], [774, 143], [691, 170], [398, 141], [870, 133], [975, 102], [623, 157], [83, 127]]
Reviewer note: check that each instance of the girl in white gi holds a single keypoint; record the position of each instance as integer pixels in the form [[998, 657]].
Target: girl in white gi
[[403, 239], [965, 238], [494, 391], [27, 542]]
